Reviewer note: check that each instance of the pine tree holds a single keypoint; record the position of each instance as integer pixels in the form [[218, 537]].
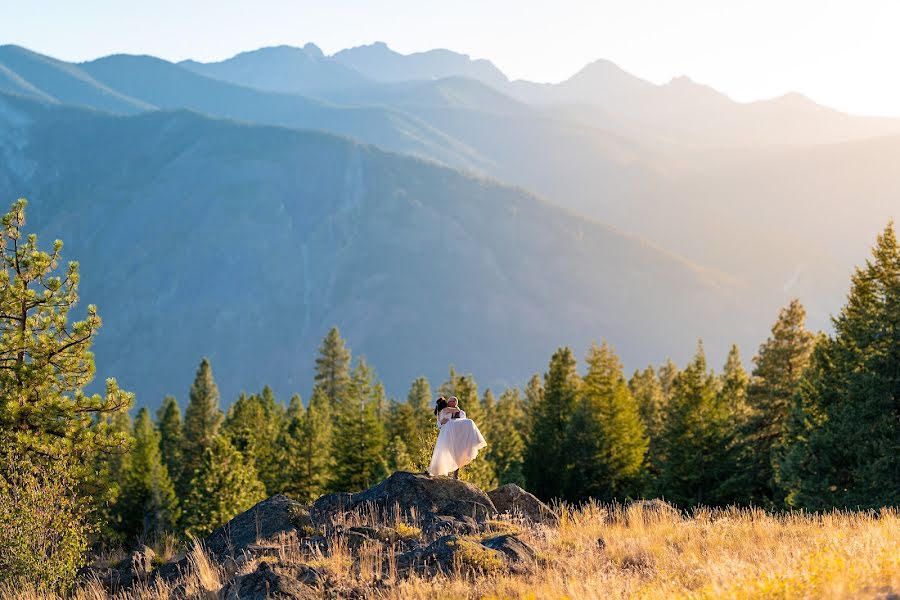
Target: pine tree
[[651, 400], [333, 367], [254, 425], [534, 395], [507, 449], [844, 433], [359, 437], [605, 438], [202, 420], [148, 502], [422, 446], [779, 367], [47, 361], [667, 374], [733, 385], [307, 443], [106, 486], [224, 485], [546, 456], [171, 437], [693, 448]]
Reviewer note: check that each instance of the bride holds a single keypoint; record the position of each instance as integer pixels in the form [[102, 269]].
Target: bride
[[458, 442]]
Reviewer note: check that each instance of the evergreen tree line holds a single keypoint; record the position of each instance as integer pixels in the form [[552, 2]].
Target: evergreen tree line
[[813, 425]]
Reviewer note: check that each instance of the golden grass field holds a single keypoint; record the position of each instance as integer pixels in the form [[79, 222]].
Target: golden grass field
[[611, 552]]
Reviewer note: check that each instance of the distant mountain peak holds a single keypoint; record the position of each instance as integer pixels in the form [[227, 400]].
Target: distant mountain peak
[[313, 50]]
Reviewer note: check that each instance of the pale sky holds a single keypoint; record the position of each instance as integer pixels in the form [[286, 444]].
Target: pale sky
[[845, 54]]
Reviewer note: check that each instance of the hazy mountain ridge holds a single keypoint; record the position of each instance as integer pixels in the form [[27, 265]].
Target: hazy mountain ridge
[[246, 243]]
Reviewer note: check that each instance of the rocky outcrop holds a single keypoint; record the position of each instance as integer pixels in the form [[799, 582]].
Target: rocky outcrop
[[276, 582], [513, 500], [502, 553], [266, 520], [414, 494]]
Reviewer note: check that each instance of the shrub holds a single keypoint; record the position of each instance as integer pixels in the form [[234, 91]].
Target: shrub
[[43, 526]]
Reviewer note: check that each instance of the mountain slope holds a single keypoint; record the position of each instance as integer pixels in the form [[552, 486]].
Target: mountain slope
[[245, 243], [44, 78]]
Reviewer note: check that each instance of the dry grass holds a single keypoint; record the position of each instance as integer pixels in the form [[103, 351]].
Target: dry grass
[[609, 552]]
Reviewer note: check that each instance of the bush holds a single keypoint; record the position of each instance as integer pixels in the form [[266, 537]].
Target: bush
[[43, 527]]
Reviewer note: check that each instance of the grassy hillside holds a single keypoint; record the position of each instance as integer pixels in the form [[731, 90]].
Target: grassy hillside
[[245, 243]]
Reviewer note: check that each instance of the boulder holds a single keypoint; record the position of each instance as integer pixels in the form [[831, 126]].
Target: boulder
[[451, 553], [441, 525], [515, 549], [275, 581], [243, 534], [266, 520], [512, 499], [417, 493]]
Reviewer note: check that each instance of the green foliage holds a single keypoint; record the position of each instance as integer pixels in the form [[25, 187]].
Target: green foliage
[[651, 400], [546, 456], [148, 504], [359, 437], [779, 366], [46, 359], [307, 444], [43, 524], [224, 485], [333, 367], [254, 425], [605, 438], [202, 419], [843, 431], [507, 444], [421, 446], [694, 445], [171, 437]]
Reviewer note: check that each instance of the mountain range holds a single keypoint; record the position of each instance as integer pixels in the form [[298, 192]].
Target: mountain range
[[438, 213]]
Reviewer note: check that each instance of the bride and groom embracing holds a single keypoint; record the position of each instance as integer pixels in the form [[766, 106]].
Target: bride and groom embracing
[[459, 440]]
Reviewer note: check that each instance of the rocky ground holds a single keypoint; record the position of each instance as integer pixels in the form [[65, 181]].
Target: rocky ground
[[407, 524]]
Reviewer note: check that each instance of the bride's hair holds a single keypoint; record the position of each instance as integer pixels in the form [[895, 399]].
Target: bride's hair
[[440, 405]]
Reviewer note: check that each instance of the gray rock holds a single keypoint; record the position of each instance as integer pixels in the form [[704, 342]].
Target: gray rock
[[441, 525], [451, 553], [515, 549], [417, 493], [266, 520], [512, 499], [274, 581]]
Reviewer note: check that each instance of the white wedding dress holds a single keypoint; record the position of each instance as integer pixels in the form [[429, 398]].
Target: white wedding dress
[[457, 445]]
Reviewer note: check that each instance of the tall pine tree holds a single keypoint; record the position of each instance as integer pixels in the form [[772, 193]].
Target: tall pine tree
[[507, 449], [171, 437], [333, 367], [254, 425], [693, 449], [606, 439], [202, 418], [779, 366], [420, 401], [224, 485], [845, 425], [148, 502], [307, 442], [359, 436], [546, 456]]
